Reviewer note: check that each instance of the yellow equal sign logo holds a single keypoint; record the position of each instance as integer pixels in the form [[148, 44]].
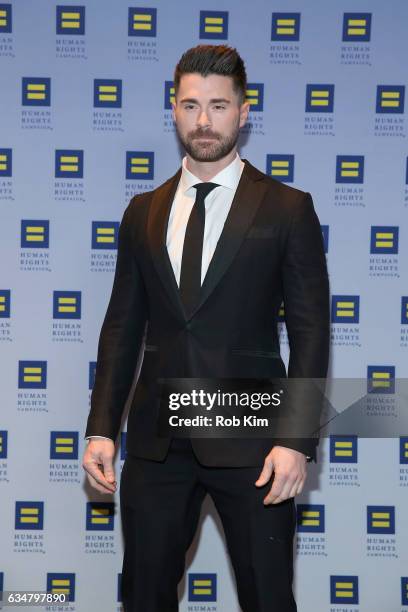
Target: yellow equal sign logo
[[310, 518], [213, 25], [71, 20], [107, 93], [105, 235], [390, 99], [279, 167], [60, 585], [285, 26], [139, 165], [2, 303], [100, 516], [380, 380], [405, 450], [345, 309], [29, 516], [3, 17], [142, 21], [64, 445], [32, 374], [343, 448], [356, 27], [381, 519], [69, 163], [67, 304], [384, 240], [202, 586], [3, 161], [36, 91], [350, 169], [344, 589], [319, 97], [34, 233], [252, 96]]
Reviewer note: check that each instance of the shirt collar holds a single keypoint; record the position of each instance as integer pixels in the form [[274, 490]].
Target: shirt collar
[[228, 177]]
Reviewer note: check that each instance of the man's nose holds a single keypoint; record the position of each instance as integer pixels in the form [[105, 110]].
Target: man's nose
[[203, 119]]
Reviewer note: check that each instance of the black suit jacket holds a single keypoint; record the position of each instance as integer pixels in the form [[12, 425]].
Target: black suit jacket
[[270, 250]]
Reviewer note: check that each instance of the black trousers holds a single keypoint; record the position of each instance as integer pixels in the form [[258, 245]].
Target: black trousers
[[160, 507]]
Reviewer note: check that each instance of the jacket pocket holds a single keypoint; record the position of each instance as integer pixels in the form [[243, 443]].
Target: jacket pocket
[[149, 348], [262, 232], [256, 353]]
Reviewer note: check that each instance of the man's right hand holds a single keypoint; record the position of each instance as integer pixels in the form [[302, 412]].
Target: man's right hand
[[98, 463]]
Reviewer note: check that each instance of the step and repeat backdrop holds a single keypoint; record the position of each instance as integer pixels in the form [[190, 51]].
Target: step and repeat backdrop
[[85, 123]]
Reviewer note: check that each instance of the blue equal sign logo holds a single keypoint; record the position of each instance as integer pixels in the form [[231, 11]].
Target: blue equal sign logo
[[70, 20], [36, 91], [390, 99], [107, 93], [344, 590], [319, 98], [6, 159], [310, 518], [356, 27], [343, 449], [69, 163], [29, 515], [345, 309], [105, 234], [285, 26], [202, 587], [61, 583], [140, 165], [64, 445], [100, 516], [67, 305], [214, 24], [381, 379], [142, 22], [281, 167], [255, 96], [381, 519], [6, 24]]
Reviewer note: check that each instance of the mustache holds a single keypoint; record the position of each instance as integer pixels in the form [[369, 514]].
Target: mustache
[[203, 134]]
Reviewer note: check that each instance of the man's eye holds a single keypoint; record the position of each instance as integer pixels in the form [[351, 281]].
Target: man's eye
[[189, 106], [219, 107]]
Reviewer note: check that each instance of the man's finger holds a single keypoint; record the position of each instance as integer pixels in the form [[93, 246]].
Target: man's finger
[[276, 489], [108, 470], [295, 489], [93, 469], [266, 473], [97, 486]]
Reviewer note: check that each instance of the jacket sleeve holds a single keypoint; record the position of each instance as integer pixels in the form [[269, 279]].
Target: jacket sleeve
[[307, 314], [120, 338]]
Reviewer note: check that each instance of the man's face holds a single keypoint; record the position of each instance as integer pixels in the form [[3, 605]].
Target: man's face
[[208, 115]]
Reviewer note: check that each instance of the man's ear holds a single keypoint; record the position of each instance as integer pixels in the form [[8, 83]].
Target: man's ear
[[173, 110], [243, 113]]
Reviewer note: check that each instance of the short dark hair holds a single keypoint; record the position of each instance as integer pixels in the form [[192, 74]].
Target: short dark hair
[[213, 59]]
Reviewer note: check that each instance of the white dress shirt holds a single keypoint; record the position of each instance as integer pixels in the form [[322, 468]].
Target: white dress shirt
[[217, 205]]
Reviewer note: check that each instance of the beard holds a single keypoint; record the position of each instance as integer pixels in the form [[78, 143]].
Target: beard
[[208, 151]]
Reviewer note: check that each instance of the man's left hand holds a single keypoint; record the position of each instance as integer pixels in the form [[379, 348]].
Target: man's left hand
[[289, 466]]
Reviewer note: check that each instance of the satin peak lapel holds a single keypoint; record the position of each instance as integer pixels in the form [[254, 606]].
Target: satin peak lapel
[[157, 231]]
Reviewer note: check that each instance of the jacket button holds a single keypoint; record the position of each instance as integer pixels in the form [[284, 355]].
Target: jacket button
[[189, 325]]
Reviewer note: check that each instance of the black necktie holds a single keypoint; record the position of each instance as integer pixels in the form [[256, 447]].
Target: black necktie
[[190, 273]]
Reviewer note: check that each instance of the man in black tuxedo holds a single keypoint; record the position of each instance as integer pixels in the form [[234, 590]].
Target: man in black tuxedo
[[204, 263]]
